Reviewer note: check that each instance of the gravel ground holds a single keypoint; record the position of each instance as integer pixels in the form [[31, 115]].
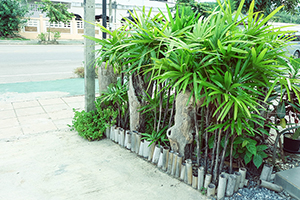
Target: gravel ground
[[259, 193]]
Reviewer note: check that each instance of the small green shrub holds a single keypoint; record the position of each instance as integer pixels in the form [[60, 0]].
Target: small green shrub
[[91, 125], [79, 71], [56, 35], [42, 37]]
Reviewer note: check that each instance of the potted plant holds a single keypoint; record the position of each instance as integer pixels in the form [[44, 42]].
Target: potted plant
[[288, 109]]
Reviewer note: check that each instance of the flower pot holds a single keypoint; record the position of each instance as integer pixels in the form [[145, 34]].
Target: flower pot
[[170, 162], [174, 164], [156, 154], [151, 152], [200, 177], [112, 132], [127, 142], [165, 158], [291, 145], [189, 172], [121, 137], [137, 142], [146, 148], [133, 141], [107, 132], [177, 168], [141, 149]]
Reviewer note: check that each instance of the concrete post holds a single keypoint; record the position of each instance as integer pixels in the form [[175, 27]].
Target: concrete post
[[41, 22], [104, 17], [110, 15], [73, 26], [89, 55]]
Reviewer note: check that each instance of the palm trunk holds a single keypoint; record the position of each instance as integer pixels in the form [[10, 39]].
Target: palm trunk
[[197, 133], [206, 140], [167, 109], [160, 107], [155, 113], [215, 173], [224, 151], [231, 151], [173, 110], [213, 152]]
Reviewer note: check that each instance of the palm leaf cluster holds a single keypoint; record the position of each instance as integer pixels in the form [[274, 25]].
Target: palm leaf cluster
[[227, 61]]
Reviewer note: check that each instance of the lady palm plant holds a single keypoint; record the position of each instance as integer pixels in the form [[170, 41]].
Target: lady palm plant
[[226, 62]]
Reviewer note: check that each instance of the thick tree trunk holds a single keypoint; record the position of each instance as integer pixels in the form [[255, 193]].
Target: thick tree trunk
[[181, 134], [136, 92], [106, 77]]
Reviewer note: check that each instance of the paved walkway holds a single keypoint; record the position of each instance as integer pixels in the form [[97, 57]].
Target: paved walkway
[[35, 42], [42, 159]]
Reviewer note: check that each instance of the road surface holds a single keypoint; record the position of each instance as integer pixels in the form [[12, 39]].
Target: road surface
[[24, 63]]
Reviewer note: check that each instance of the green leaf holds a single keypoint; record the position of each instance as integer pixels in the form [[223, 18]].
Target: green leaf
[[296, 134], [257, 160], [251, 148], [247, 159], [261, 147], [245, 142]]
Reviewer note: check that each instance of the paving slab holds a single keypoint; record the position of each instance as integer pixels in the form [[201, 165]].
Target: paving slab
[[5, 106], [29, 111], [290, 181], [10, 133], [56, 107], [34, 119], [26, 104], [45, 102], [61, 165], [63, 114], [10, 122], [6, 114], [41, 127]]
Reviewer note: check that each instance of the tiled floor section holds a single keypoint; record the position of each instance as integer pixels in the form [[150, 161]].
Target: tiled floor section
[[35, 116]]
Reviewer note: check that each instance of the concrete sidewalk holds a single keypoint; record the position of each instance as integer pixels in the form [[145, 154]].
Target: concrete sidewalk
[[35, 42], [42, 159]]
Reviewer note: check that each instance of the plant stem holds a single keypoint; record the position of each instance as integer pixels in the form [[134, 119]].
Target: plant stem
[[161, 93], [213, 152], [197, 131], [155, 114], [206, 140], [215, 174], [231, 151], [167, 108], [224, 151], [173, 109]]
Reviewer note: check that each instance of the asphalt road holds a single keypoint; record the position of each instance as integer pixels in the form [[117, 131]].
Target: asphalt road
[[25, 63]]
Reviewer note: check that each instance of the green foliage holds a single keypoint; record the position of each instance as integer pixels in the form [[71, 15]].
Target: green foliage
[[158, 138], [116, 97], [79, 71], [89, 125], [42, 37], [56, 35], [285, 17], [267, 6], [12, 15], [57, 12], [204, 9], [248, 149], [285, 96], [227, 60]]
